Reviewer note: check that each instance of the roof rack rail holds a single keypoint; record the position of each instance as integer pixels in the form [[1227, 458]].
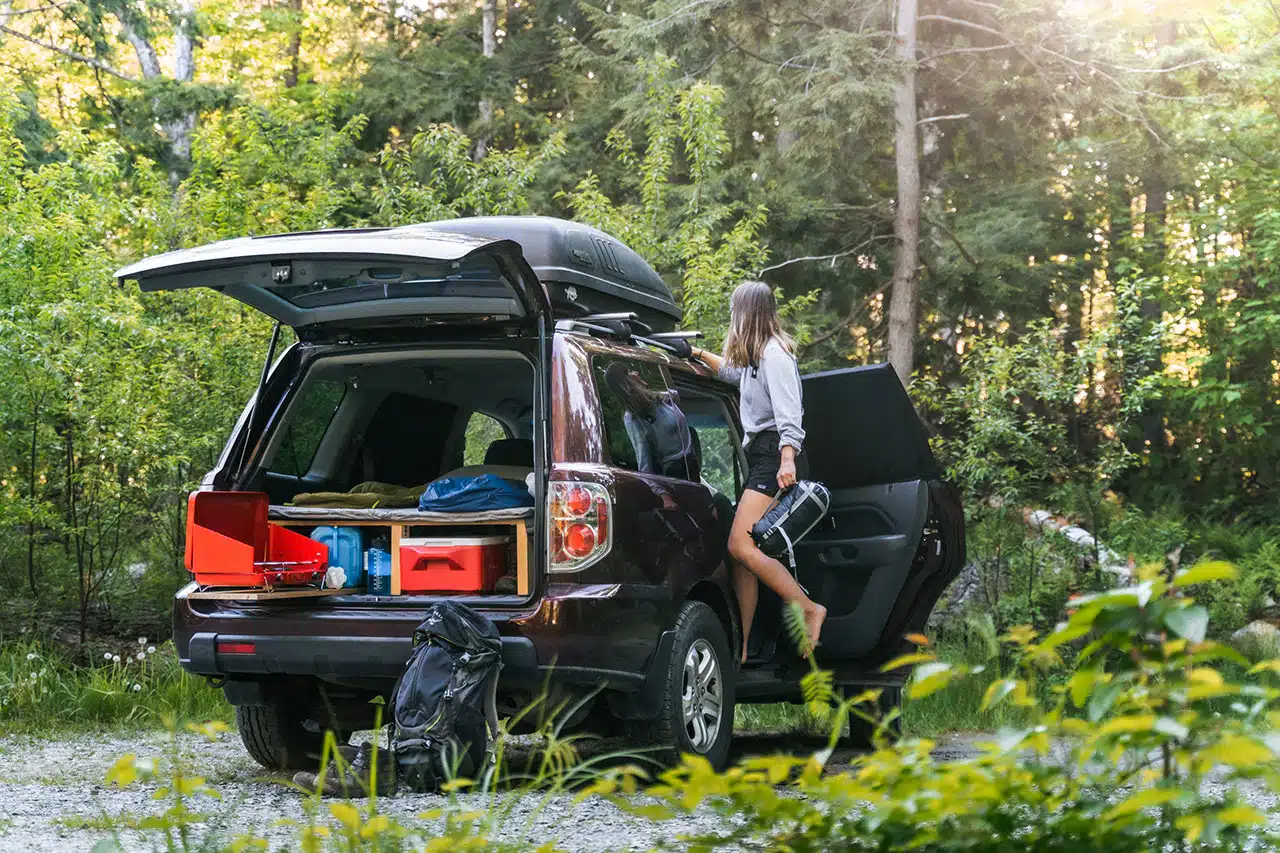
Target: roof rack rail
[[626, 326], [690, 335]]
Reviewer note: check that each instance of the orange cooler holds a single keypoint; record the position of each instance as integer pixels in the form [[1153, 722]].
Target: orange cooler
[[456, 564]]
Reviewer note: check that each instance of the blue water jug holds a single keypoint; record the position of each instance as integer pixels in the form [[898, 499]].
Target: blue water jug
[[346, 555]]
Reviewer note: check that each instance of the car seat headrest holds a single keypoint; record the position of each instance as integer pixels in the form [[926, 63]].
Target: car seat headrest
[[510, 451]]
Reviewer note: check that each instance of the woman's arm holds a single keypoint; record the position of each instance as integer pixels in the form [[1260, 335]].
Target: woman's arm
[[783, 379], [710, 359]]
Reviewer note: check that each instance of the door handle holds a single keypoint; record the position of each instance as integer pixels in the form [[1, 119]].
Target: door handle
[[838, 555]]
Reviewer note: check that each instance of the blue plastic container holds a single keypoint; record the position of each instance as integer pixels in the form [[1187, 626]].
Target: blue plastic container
[[378, 568], [346, 555]]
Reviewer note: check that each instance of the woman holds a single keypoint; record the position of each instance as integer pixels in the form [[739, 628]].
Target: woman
[[758, 355]]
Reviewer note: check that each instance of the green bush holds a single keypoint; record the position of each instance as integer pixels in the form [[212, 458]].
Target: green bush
[[1114, 755]]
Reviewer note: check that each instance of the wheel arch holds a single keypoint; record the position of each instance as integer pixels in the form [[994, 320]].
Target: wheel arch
[[723, 604]]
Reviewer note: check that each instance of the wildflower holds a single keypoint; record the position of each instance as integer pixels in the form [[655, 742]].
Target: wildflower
[[142, 656], [137, 688], [107, 656], [32, 656], [115, 658], [142, 641], [151, 650]]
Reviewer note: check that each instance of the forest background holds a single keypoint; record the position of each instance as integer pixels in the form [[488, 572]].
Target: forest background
[[1055, 218]]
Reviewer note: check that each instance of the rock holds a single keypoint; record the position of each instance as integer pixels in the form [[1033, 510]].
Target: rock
[[1257, 641], [952, 604]]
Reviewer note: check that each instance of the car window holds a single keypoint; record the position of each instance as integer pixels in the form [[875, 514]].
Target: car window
[[717, 443], [308, 421], [645, 427], [482, 430]]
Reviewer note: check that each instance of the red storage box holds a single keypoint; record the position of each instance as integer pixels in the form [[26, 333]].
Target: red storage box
[[231, 543], [458, 564]]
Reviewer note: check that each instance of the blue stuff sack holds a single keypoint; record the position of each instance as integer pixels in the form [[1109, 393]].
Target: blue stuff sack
[[473, 494]]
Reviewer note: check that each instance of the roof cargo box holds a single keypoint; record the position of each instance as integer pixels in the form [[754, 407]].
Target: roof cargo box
[[584, 270]]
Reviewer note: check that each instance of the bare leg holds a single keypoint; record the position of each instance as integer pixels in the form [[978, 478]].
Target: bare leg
[[748, 590], [774, 575]]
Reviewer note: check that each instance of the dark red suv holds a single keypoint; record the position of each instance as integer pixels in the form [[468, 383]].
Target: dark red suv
[[486, 346]]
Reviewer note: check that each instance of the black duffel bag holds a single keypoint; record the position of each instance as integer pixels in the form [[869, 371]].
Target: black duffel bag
[[794, 512]]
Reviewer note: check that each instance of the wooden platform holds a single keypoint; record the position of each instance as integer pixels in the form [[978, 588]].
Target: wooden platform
[[258, 594], [395, 530]]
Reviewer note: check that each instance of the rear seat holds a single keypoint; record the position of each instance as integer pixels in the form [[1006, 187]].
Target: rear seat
[[508, 458]]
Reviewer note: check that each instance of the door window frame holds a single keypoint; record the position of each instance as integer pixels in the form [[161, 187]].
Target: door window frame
[[729, 404]]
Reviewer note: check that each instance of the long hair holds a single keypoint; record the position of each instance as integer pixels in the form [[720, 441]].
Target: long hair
[[753, 322]]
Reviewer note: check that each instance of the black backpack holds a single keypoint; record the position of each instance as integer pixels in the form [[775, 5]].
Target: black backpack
[[445, 704]]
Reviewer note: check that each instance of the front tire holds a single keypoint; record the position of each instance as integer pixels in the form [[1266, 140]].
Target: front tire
[[696, 713], [275, 735]]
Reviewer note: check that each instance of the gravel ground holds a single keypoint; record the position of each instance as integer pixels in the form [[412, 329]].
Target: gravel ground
[[52, 797], [50, 789]]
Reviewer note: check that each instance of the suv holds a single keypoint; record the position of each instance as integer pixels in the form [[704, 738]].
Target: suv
[[510, 345]]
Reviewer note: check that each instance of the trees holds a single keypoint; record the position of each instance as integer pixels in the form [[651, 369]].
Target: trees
[[903, 295]]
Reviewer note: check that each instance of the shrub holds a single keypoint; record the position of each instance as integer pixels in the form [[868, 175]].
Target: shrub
[[1114, 756]]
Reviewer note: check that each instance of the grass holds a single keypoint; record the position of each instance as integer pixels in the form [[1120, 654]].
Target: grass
[[140, 686]]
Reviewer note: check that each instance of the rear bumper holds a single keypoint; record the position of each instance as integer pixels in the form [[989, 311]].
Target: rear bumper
[[573, 635]]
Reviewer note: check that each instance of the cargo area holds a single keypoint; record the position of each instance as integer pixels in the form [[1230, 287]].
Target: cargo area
[[332, 504]]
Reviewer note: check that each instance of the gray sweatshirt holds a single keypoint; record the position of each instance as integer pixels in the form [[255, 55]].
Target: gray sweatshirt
[[770, 395]]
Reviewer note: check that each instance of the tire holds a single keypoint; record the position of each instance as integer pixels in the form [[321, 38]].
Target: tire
[[861, 733], [700, 643], [276, 737]]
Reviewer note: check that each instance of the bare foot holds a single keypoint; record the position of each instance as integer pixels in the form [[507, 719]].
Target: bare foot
[[813, 620]]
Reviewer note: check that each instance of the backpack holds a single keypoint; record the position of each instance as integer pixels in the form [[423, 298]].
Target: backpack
[[444, 707], [789, 518]]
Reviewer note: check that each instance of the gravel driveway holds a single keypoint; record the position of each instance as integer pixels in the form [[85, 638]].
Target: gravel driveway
[[52, 796]]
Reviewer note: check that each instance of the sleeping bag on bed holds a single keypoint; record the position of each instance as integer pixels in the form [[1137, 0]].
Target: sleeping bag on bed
[[473, 494]]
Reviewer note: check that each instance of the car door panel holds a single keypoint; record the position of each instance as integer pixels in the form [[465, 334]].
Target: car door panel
[[867, 444], [855, 562]]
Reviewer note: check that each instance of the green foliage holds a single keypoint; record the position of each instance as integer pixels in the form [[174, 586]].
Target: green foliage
[[136, 685], [1117, 756]]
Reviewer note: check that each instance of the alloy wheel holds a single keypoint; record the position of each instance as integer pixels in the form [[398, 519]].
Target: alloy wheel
[[702, 696]]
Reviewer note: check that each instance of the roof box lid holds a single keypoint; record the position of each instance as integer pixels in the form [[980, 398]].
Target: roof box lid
[[584, 270]]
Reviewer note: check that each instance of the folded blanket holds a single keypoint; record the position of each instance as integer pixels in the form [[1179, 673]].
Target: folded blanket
[[369, 495]]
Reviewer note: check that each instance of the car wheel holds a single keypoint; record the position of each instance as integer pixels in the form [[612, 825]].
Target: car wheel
[[696, 713], [861, 733], [276, 736]]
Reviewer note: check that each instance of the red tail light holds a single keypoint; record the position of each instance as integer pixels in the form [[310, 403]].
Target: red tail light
[[579, 521], [236, 648]]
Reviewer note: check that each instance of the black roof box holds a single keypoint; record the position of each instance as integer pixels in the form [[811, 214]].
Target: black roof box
[[584, 270]]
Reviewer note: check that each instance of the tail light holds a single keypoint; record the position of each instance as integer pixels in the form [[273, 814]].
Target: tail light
[[581, 531]]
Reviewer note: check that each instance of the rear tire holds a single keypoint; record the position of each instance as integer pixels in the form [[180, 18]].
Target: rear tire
[[696, 712], [275, 736], [861, 733]]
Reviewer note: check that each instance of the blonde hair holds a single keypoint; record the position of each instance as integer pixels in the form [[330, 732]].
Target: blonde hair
[[753, 322]]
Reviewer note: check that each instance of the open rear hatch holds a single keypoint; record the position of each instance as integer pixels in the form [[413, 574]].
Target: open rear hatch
[[325, 285], [358, 278]]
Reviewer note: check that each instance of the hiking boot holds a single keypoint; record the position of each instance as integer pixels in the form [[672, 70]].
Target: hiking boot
[[352, 780]]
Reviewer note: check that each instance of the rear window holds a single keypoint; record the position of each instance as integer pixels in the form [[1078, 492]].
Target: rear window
[[315, 284], [308, 421]]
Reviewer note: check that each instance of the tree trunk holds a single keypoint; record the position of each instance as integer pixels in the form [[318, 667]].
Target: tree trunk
[[489, 44], [31, 495], [1151, 310], [294, 50], [905, 296], [184, 69]]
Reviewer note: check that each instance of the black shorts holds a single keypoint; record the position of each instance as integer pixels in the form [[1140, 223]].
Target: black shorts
[[763, 459]]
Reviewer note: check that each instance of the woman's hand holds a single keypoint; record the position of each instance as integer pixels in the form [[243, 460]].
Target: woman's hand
[[787, 468]]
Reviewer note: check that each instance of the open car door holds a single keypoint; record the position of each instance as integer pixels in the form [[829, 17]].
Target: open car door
[[359, 278], [864, 561]]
